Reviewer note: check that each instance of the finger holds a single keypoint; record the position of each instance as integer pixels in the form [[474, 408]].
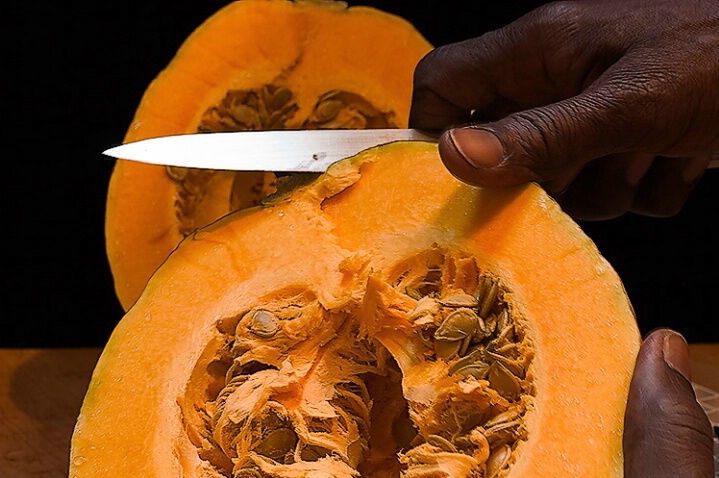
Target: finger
[[667, 433], [605, 189], [449, 82], [538, 59], [631, 107], [667, 185]]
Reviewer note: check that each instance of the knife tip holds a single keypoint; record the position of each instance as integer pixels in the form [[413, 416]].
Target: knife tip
[[111, 152]]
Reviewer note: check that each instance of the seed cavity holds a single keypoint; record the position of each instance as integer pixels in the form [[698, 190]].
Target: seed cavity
[[463, 318], [292, 387], [339, 109], [269, 107]]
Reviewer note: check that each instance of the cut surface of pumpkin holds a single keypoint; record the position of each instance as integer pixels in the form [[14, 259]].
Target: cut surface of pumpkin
[[360, 327], [254, 65]]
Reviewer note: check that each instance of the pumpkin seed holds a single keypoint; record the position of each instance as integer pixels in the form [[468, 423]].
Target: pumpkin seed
[[280, 98], [246, 116], [347, 110], [263, 323], [465, 343], [459, 299], [277, 443], [497, 460], [489, 299], [514, 366], [176, 173], [482, 288], [481, 332], [490, 324], [473, 420], [463, 443], [476, 370], [313, 453], [507, 349], [441, 443], [501, 427], [474, 357], [506, 416], [503, 380], [503, 320], [275, 120], [503, 338], [447, 349], [459, 324], [327, 110]]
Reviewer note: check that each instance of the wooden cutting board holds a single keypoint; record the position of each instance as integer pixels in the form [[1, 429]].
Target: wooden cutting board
[[40, 396]]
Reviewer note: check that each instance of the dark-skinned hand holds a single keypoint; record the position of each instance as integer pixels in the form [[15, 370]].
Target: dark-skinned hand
[[611, 105], [666, 432]]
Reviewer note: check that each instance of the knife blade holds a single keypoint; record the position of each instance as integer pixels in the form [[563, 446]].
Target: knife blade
[[282, 151], [286, 150]]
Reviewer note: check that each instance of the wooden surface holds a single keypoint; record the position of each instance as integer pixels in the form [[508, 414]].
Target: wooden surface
[[41, 392], [705, 365], [40, 396]]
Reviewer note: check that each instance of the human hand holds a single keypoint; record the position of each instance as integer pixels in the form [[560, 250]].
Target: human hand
[[611, 105], [666, 432]]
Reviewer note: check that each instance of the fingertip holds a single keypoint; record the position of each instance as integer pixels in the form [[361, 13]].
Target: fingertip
[[472, 155], [480, 148], [676, 353], [672, 347], [693, 168], [657, 335], [661, 402]]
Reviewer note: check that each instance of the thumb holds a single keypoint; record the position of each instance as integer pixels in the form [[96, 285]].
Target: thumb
[[542, 144], [667, 433]]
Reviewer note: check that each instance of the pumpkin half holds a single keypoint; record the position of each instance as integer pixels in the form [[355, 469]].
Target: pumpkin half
[[254, 65], [365, 326]]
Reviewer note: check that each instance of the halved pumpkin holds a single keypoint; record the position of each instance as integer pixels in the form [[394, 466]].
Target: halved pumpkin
[[385, 320], [254, 65]]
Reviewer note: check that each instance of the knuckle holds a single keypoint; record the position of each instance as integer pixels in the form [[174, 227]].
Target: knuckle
[[540, 137], [655, 105], [430, 71], [558, 13]]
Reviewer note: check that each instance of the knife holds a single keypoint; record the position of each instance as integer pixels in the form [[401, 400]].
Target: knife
[[282, 151]]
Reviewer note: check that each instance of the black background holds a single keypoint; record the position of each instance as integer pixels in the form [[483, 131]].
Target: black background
[[73, 73]]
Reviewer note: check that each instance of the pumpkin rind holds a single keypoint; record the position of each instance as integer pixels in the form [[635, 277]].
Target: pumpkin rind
[[309, 48], [343, 240]]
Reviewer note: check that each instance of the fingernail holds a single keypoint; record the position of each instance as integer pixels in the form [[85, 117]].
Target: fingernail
[[676, 354], [638, 167], [478, 147], [694, 167]]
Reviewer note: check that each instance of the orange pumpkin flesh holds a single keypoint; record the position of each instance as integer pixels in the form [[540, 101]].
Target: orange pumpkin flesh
[[253, 65], [323, 334]]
